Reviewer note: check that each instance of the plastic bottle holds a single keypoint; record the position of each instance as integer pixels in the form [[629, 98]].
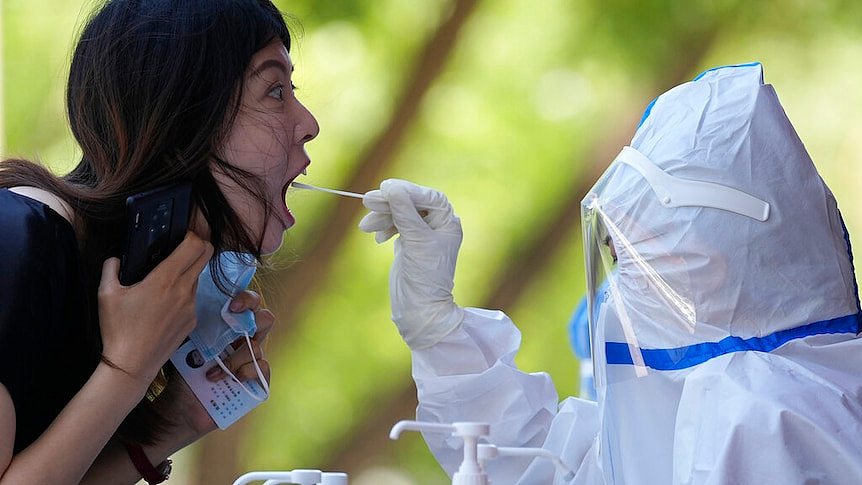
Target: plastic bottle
[[297, 477]]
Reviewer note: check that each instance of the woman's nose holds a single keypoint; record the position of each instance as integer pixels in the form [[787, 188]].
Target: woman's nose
[[307, 129]]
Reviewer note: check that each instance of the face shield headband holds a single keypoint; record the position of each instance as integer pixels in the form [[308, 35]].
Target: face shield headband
[[676, 192]]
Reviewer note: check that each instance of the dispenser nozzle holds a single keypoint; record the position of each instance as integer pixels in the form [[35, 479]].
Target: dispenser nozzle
[[407, 425], [487, 452]]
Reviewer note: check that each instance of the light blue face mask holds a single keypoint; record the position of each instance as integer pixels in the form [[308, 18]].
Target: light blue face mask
[[217, 326]]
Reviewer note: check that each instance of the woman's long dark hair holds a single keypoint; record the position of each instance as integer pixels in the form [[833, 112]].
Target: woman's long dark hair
[[153, 90]]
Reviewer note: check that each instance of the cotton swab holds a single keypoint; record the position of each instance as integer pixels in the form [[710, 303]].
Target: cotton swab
[[300, 185]]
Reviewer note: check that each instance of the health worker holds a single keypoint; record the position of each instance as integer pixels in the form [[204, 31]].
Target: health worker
[[723, 315]]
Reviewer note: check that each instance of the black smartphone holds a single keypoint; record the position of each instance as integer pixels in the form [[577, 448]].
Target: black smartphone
[[156, 223]]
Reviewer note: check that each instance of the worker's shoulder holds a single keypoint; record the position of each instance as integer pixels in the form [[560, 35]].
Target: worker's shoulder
[[758, 393], [752, 414]]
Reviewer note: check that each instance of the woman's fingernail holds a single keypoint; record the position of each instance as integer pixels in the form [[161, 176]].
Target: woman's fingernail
[[235, 305], [214, 373]]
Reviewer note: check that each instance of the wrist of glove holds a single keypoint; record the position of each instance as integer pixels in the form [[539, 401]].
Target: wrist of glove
[[426, 252]]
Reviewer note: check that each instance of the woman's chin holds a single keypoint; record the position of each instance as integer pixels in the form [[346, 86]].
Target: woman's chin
[[274, 236], [272, 243]]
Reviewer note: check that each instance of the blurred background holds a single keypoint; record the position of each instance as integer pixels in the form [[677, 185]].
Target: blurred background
[[511, 107]]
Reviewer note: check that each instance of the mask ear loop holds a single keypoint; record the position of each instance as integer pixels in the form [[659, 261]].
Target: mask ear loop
[[260, 376]]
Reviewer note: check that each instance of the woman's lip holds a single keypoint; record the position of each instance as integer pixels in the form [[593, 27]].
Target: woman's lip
[[304, 170], [287, 217], [290, 181], [290, 220]]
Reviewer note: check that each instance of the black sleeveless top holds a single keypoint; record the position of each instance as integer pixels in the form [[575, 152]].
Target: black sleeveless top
[[45, 356]]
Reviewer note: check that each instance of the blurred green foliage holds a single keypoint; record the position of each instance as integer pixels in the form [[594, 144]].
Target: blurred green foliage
[[528, 94]]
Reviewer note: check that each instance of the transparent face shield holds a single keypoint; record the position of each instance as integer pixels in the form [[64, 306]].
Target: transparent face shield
[[641, 303]]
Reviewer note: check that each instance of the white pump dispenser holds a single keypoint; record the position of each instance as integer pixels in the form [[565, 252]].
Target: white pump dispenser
[[472, 470], [297, 477]]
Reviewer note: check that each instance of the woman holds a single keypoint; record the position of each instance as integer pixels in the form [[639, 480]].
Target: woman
[[159, 93]]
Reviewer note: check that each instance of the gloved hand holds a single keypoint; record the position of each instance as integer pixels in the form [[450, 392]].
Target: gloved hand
[[422, 276]]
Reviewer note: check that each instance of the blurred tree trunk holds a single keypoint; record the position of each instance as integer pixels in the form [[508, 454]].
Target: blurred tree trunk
[[217, 457]]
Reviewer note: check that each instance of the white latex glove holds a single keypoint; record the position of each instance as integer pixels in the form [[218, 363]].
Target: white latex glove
[[422, 276]]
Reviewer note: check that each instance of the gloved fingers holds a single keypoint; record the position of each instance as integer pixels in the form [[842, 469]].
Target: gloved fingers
[[424, 197], [379, 221], [405, 214], [433, 206], [380, 224], [375, 200], [376, 221], [438, 218], [452, 225], [418, 208], [385, 235]]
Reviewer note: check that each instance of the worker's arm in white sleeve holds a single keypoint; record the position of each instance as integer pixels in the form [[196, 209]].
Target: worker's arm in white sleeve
[[464, 358], [470, 375]]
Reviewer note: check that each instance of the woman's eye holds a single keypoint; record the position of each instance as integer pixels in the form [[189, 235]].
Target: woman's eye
[[277, 93]]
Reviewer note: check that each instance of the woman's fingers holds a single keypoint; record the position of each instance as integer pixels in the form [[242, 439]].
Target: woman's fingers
[[265, 320], [245, 300], [239, 359], [110, 274], [248, 372], [187, 260], [241, 362], [243, 372]]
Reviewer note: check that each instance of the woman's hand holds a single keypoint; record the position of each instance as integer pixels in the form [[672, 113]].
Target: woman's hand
[[192, 414], [143, 324], [241, 362]]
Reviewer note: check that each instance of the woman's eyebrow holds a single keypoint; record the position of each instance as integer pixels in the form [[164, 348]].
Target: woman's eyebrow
[[269, 64]]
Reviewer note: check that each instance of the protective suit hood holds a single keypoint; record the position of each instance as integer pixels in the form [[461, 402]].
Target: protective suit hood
[[741, 276], [712, 237]]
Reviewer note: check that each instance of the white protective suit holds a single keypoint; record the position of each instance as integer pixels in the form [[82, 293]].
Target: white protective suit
[[735, 358]]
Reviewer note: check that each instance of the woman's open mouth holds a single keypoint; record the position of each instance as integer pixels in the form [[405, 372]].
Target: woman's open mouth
[[287, 217]]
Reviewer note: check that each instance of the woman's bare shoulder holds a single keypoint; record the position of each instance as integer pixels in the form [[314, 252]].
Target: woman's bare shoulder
[[55, 203]]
